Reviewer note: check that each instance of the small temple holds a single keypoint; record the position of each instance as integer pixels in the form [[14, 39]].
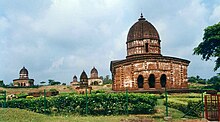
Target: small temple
[[83, 84], [23, 79]]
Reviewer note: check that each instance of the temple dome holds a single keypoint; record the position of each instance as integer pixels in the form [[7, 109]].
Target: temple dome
[[142, 29], [24, 71], [83, 75], [94, 70], [74, 77], [94, 73]]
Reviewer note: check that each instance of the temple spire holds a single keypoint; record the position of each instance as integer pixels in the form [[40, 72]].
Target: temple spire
[[141, 17]]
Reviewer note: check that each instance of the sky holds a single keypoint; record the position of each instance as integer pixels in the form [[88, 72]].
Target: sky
[[57, 39]]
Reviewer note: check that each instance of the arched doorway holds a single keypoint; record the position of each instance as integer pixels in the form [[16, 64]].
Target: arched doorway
[[140, 81], [151, 81], [96, 83], [163, 80]]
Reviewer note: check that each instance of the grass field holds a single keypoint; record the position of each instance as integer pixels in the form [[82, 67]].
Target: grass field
[[18, 115]]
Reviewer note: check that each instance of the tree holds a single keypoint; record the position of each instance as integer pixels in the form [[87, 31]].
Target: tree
[[215, 82], [196, 79], [42, 82], [210, 47], [2, 83], [50, 82], [56, 83], [107, 80], [31, 82], [53, 82], [101, 77], [192, 79], [11, 84]]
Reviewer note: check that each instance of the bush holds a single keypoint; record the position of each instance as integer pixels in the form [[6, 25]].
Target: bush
[[98, 91], [22, 95], [191, 107], [29, 97], [188, 95], [53, 90], [2, 97], [98, 104]]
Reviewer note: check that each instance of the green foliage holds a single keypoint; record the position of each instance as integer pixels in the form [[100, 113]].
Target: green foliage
[[210, 47], [187, 96], [2, 97], [196, 79], [68, 93], [98, 91], [29, 97], [2, 83], [98, 104], [190, 106], [53, 82], [52, 90], [107, 80], [214, 83], [19, 115], [22, 95], [214, 80], [42, 82]]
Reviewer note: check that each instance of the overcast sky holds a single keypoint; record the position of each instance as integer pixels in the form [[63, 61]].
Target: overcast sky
[[57, 39]]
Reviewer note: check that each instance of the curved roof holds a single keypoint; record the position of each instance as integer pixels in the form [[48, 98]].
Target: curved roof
[[83, 75], [142, 29], [74, 77], [94, 70], [24, 71]]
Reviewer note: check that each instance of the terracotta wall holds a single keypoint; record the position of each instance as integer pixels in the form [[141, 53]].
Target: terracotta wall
[[126, 75]]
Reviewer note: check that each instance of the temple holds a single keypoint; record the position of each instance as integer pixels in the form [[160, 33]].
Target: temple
[[23, 79], [145, 68]]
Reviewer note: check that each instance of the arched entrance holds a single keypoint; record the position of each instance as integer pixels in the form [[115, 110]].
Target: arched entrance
[[140, 81], [163, 80], [151, 81], [96, 83]]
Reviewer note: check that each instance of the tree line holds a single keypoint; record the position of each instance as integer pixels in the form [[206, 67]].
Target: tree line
[[212, 83]]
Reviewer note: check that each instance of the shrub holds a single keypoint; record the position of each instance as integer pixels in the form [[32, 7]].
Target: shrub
[[2, 97], [22, 95], [29, 97], [191, 107], [53, 90], [98, 91], [98, 104]]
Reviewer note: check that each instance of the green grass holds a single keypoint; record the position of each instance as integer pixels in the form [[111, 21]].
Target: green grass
[[19, 115], [174, 113]]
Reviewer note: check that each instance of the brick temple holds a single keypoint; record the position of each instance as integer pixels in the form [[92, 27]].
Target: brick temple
[[145, 68]]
